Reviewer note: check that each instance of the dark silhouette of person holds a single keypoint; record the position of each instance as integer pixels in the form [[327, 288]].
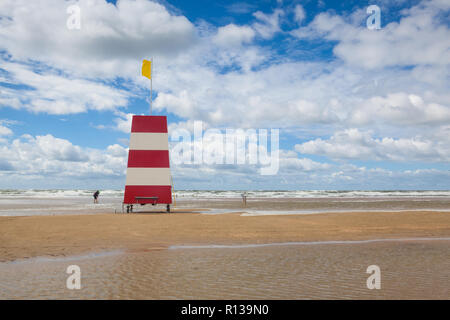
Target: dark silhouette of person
[[96, 194]]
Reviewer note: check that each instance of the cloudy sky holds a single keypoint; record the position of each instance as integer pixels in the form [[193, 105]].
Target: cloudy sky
[[356, 108]]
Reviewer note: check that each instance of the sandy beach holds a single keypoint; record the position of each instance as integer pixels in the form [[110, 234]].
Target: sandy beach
[[215, 248], [63, 235]]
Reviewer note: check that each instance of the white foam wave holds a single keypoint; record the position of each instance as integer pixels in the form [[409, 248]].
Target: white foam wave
[[220, 194], [199, 194], [57, 193]]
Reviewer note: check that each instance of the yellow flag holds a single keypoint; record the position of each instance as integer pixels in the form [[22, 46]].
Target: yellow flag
[[147, 69]]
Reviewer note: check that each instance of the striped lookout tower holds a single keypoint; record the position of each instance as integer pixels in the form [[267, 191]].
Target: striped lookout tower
[[148, 171]]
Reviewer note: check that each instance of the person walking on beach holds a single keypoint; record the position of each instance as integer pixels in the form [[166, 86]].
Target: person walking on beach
[[244, 198], [96, 196]]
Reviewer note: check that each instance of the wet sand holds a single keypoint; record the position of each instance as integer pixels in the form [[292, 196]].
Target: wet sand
[[326, 204], [64, 235], [413, 269]]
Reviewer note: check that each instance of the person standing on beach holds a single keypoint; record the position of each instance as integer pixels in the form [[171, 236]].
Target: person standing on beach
[[96, 196], [244, 198]]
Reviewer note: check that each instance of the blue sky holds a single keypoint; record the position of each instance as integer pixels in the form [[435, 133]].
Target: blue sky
[[356, 108]]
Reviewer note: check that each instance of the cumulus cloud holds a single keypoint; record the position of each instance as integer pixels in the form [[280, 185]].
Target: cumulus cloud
[[55, 94], [53, 148], [299, 13], [55, 162], [233, 35], [63, 71], [111, 38], [401, 108], [246, 99], [44, 156], [193, 86], [354, 144], [5, 131], [181, 105], [295, 164], [268, 24], [417, 39], [123, 122]]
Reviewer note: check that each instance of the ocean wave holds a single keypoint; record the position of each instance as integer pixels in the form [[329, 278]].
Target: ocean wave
[[195, 194], [57, 193], [223, 194]]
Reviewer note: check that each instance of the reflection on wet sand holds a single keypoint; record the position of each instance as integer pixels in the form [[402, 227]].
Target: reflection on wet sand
[[409, 270]]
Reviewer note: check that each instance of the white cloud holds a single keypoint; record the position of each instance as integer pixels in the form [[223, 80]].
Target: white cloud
[[55, 148], [181, 105], [268, 24], [55, 94], [117, 151], [417, 39], [123, 123], [299, 13], [5, 131], [46, 156], [354, 144], [185, 125], [111, 40], [191, 85], [294, 164], [233, 35], [54, 162], [246, 99], [401, 108], [303, 93]]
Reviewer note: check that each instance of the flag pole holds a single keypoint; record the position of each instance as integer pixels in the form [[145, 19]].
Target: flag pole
[[151, 84]]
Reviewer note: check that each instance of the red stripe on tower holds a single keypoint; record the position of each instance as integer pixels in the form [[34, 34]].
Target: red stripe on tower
[[164, 194], [148, 170], [148, 159], [149, 124]]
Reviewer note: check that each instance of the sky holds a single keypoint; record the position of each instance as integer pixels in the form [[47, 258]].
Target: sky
[[356, 108]]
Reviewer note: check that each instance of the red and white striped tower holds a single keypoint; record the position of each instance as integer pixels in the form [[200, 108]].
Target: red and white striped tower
[[148, 171]]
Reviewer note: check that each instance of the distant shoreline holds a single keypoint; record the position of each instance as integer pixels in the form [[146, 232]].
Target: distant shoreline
[[204, 194]]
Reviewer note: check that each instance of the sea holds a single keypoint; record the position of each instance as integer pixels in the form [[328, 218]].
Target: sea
[[14, 202]]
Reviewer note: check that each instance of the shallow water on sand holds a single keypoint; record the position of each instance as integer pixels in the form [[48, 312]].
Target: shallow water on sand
[[409, 270]]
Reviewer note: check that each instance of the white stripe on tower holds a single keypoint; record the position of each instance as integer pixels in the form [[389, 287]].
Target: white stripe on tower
[[149, 141], [148, 177]]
